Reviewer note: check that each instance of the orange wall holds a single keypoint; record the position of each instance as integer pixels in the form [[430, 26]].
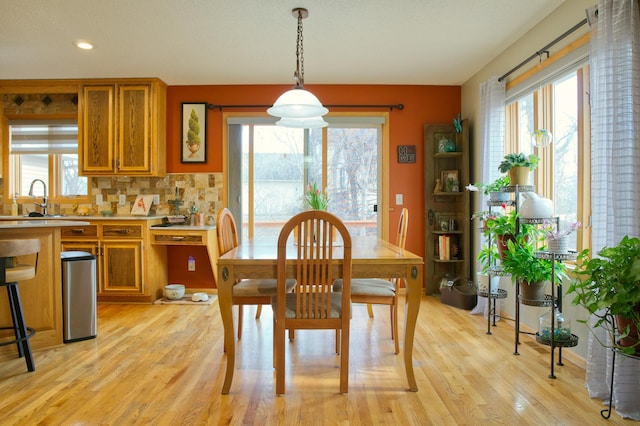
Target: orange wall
[[422, 104]]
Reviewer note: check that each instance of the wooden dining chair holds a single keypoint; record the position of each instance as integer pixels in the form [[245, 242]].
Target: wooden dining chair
[[380, 291], [248, 291], [318, 261]]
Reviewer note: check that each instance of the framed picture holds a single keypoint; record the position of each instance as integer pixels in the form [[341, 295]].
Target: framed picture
[[450, 181], [194, 132]]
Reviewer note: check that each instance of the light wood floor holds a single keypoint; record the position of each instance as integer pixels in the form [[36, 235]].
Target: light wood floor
[[161, 364]]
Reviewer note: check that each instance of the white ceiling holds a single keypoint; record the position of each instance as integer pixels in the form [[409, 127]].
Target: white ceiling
[[194, 42]]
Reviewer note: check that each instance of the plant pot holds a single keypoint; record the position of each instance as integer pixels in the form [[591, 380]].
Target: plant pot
[[499, 196], [532, 291], [501, 243], [519, 176], [632, 339], [558, 245]]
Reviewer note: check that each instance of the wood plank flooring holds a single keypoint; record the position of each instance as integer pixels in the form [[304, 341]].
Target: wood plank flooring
[[164, 365]]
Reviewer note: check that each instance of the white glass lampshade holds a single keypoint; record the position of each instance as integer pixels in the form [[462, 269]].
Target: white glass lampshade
[[297, 103], [303, 123]]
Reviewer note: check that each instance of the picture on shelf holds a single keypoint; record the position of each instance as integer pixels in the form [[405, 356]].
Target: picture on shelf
[[446, 222], [450, 181]]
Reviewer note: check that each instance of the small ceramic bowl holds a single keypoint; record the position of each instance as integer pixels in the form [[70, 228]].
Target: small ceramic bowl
[[174, 291], [106, 213]]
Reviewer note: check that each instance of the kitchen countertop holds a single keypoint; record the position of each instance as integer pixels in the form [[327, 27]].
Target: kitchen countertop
[[12, 224], [79, 217]]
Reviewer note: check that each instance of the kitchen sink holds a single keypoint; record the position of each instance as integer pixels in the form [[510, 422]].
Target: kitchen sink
[[36, 214]]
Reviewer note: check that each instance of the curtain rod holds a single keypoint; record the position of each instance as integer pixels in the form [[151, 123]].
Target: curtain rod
[[543, 50], [391, 107]]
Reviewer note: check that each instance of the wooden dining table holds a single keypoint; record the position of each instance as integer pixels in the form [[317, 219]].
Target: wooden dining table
[[371, 257]]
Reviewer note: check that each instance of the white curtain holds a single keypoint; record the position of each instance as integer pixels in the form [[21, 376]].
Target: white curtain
[[491, 144], [615, 157], [491, 126]]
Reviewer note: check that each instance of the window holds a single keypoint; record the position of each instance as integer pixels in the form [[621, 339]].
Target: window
[[269, 167], [563, 173], [45, 150]]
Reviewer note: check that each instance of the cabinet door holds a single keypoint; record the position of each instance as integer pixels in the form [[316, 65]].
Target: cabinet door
[[122, 268], [134, 129], [97, 126]]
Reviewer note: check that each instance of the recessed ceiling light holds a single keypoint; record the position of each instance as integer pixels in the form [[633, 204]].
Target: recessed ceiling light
[[83, 45]]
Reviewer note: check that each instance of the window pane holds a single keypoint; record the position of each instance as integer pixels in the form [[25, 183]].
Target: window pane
[[278, 178], [525, 123], [32, 166], [71, 184], [352, 177], [565, 151]]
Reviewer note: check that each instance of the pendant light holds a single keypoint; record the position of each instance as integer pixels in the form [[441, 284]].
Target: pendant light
[[299, 108]]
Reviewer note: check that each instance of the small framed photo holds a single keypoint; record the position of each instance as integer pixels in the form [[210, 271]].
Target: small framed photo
[[450, 181], [194, 132]]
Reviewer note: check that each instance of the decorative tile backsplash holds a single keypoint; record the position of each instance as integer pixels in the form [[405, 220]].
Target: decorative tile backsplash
[[202, 190]]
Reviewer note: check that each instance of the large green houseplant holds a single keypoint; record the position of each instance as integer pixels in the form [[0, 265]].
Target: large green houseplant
[[608, 286], [520, 261]]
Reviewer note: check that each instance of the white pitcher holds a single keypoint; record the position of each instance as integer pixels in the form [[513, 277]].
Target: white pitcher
[[535, 206]]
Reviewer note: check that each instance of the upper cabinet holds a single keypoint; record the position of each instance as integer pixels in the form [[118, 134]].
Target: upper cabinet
[[121, 126]]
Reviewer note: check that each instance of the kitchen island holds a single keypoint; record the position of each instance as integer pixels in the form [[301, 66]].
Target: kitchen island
[[41, 296]]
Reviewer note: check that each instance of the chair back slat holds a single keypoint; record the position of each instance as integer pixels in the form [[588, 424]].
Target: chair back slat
[[401, 237], [226, 231]]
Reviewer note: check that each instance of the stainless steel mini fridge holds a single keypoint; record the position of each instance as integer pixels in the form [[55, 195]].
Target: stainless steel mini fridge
[[78, 295]]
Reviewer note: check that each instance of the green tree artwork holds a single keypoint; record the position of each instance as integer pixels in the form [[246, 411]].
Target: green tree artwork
[[193, 134]]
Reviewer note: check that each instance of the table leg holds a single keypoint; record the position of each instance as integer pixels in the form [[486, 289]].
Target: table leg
[[225, 289], [414, 293]]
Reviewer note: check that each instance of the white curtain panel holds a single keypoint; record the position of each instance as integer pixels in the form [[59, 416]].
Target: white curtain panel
[[490, 145], [615, 157], [491, 125]]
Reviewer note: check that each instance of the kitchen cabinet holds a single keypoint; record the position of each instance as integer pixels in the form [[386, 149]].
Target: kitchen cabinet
[[121, 126], [447, 246], [129, 267]]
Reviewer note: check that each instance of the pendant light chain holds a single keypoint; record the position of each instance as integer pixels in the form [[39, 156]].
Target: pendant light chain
[[299, 54]]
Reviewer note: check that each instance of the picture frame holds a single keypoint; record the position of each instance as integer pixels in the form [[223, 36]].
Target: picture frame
[[450, 181], [446, 222], [193, 139]]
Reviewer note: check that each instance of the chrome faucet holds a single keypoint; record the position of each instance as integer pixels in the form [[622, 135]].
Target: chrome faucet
[[44, 206]]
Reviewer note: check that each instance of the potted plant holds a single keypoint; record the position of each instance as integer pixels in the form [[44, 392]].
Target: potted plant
[[493, 189], [608, 287], [504, 227], [557, 241], [518, 166], [529, 271]]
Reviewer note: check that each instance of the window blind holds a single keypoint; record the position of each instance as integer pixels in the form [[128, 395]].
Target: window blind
[[43, 137]]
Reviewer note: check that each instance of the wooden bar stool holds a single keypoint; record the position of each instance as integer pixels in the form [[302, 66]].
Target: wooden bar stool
[[10, 273]]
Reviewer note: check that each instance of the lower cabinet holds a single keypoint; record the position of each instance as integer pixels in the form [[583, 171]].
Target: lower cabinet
[[129, 268]]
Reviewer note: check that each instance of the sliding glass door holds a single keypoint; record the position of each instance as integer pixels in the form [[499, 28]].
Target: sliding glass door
[[269, 168]]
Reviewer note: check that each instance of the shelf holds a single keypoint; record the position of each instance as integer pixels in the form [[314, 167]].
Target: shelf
[[455, 231], [500, 294], [442, 155], [558, 343], [496, 270], [571, 255], [447, 194], [520, 188], [545, 303], [437, 260]]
